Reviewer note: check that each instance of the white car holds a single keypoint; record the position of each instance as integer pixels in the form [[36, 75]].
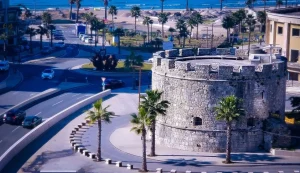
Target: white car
[[48, 74], [59, 44], [150, 60], [84, 37], [88, 40], [4, 65]]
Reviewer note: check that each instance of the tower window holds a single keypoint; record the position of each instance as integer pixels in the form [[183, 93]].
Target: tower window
[[197, 121]]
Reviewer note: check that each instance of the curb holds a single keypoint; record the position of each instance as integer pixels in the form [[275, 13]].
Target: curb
[[44, 59]]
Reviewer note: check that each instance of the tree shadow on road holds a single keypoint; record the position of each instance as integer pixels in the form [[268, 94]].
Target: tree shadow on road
[[251, 157], [185, 162]]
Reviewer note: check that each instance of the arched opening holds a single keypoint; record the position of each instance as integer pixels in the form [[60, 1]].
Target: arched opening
[[197, 121]]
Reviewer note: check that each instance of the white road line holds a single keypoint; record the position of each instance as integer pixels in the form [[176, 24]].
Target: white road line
[[16, 129], [81, 97], [75, 95], [0, 141], [15, 92], [38, 114], [64, 94], [57, 103]]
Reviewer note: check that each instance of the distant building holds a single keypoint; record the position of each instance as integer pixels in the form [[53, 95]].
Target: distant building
[[283, 30]]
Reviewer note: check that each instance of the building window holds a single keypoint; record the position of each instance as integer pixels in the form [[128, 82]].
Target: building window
[[294, 55], [250, 122], [197, 121], [280, 30], [270, 27], [295, 32]]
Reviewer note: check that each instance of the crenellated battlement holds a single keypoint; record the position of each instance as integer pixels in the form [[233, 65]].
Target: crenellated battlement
[[215, 71]]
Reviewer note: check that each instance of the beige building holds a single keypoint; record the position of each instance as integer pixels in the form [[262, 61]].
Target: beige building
[[283, 30]]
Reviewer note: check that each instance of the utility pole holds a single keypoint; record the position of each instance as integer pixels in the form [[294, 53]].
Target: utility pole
[[207, 44]]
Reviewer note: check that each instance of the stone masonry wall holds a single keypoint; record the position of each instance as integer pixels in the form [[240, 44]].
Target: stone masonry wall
[[194, 91]]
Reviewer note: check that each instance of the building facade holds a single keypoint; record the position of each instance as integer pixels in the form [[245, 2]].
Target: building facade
[[283, 29]]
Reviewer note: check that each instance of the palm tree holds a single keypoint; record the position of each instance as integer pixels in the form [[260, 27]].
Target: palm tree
[[46, 18], [250, 3], [144, 36], [71, 7], [96, 25], [198, 20], [229, 109], [279, 3], [171, 30], [4, 38], [133, 60], [51, 28], [78, 5], [41, 31], [221, 5], [27, 12], [261, 17], [240, 16], [31, 32], [182, 27], [98, 115], [146, 21], [89, 17], [250, 21], [140, 122], [105, 3], [227, 23], [162, 5], [163, 19], [154, 106], [191, 23], [113, 11], [151, 23], [135, 12], [119, 32]]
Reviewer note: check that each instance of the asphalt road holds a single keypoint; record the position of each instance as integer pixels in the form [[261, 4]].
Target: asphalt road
[[45, 109], [3, 75]]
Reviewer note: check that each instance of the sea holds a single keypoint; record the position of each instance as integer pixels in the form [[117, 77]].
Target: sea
[[144, 4]]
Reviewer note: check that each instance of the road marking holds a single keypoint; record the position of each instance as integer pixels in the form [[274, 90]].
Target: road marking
[[16, 129], [64, 94], [75, 95], [15, 92], [81, 97], [0, 141], [38, 114], [57, 103]]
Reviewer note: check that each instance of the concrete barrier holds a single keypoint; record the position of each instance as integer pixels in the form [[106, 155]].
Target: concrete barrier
[[33, 134]]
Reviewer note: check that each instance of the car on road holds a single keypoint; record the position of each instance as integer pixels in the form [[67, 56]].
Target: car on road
[[114, 83], [59, 44], [4, 65], [31, 121], [58, 37], [14, 116], [48, 74], [46, 50]]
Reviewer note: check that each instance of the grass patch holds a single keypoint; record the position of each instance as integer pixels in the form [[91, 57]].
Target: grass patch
[[120, 67]]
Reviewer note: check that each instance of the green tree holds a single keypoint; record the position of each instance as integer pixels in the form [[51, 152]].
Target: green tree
[[146, 21], [229, 110], [250, 21], [4, 38], [227, 23], [163, 19], [78, 5], [183, 31], [119, 32], [27, 13], [71, 2], [31, 32], [89, 17], [151, 23], [261, 18], [191, 23], [135, 12], [41, 31], [97, 25], [239, 16], [140, 123], [198, 20], [51, 28], [105, 3], [113, 11], [172, 30], [98, 115], [279, 3], [154, 106], [162, 5], [295, 102], [46, 18], [133, 60]]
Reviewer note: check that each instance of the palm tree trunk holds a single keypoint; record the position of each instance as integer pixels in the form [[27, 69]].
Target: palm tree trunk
[[162, 30], [151, 32], [152, 153], [191, 35], [135, 25], [77, 15], [183, 45], [119, 45], [91, 31], [148, 32], [249, 40], [4, 48], [51, 38], [105, 16], [99, 141], [144, 162], [197, 31], [70, 15], [41, 41], [228, 145], [30, 42]]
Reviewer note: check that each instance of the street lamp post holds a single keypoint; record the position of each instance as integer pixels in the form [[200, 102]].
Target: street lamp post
[[103, 83], [140, 78]]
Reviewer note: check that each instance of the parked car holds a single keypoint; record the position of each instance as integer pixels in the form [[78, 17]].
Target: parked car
[[48, 74], [59, 37], [15, 116], [60, 44], [84, 37], [46, 50], [88, 40], [31, 121], [4, 65], [80, 35], [114, 83]]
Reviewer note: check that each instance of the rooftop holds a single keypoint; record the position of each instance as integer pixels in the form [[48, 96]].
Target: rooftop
[[293, 11], [224, 62]]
